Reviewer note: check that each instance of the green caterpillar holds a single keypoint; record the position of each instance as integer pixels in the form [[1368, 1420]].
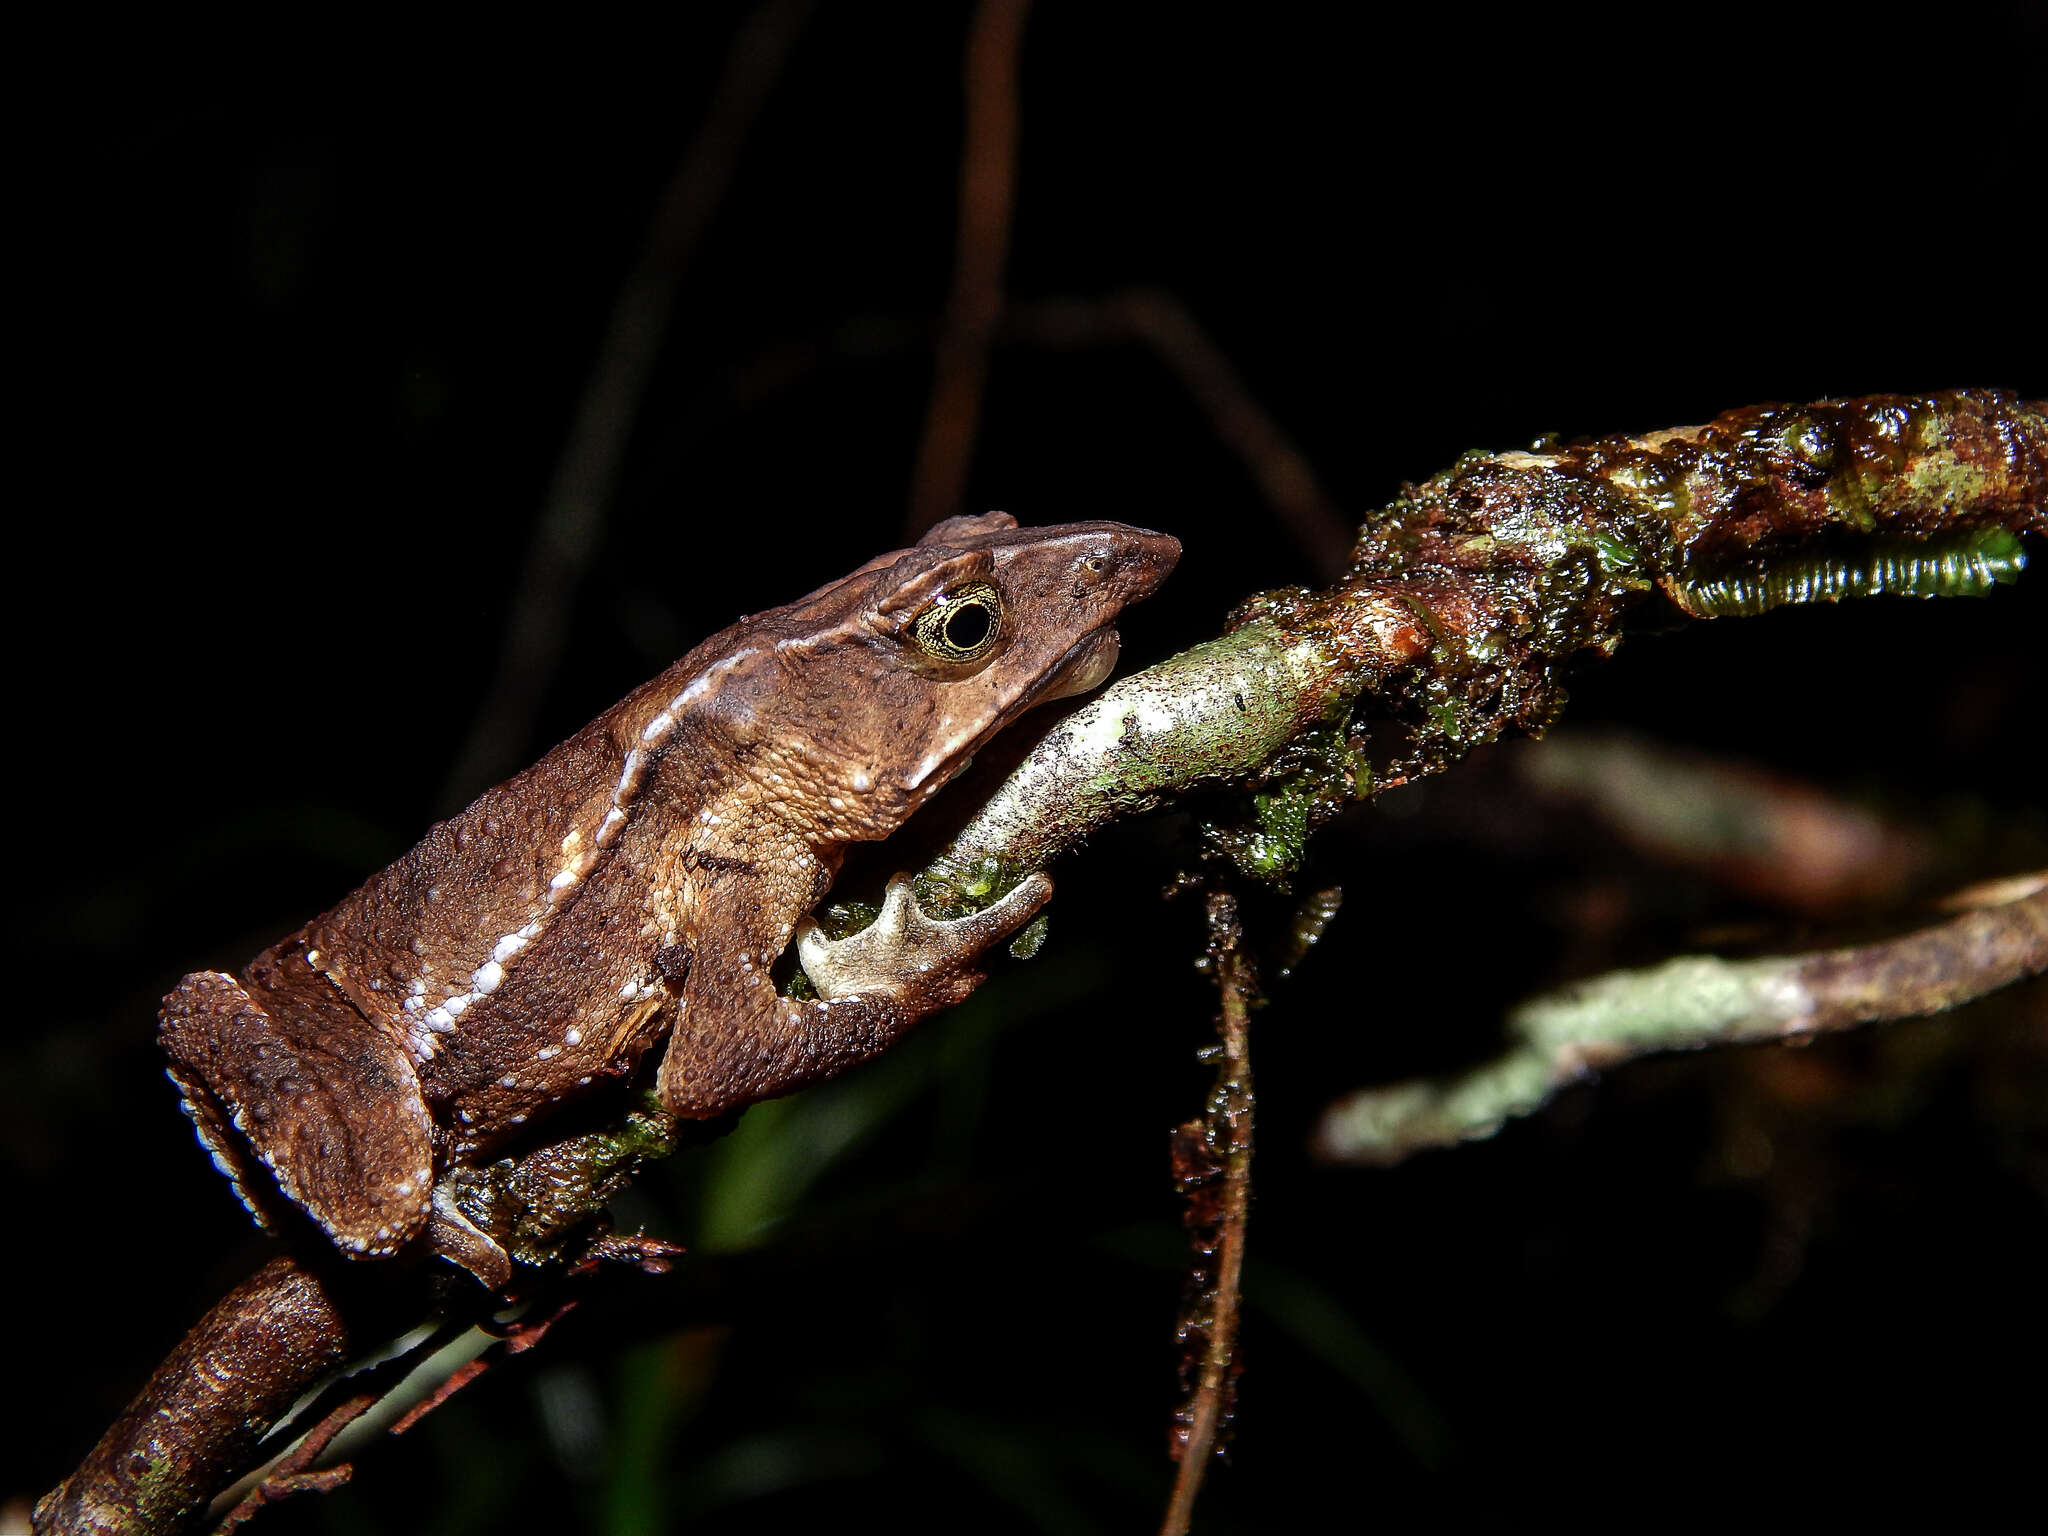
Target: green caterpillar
[[1967, 565]]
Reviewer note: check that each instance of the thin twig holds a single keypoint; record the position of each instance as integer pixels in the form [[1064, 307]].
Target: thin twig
[[1161, 322], [566, 536], [1694, 1002], [1213, 1165], [1146, 317], [988, 188], [296, 1472]]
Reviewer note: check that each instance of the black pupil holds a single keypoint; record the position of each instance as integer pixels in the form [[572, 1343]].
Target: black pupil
[[968, 625]]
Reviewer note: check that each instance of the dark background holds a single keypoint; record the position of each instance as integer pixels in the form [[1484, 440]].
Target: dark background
[[306, 356]]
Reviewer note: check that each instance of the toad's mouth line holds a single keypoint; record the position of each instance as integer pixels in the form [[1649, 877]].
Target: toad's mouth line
[[1085, 667]]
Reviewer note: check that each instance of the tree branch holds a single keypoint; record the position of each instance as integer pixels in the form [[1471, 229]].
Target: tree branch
[[191, 1430], [1685, 1004]]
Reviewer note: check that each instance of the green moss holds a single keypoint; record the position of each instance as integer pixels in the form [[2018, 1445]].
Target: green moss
[[1615, 555], [1030, 938], [1267, 838]]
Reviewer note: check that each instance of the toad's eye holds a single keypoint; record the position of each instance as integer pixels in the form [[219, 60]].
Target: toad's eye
[[961, 625]]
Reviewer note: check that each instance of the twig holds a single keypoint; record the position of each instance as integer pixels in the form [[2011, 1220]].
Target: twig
[[1213, 1167], [988, 188], [1162, 323], [1698, 1001], [295, 1473], [1146, 317], [516, 1339], [566, 536]]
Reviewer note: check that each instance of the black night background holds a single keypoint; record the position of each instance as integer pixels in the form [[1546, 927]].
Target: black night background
[[306, 355]]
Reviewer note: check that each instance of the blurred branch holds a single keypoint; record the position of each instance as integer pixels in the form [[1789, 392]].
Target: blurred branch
[[1693, 1002], [566, 535], [1761, 833], [1212, 1161], [988, 190], [1161, 322], [1146, 317]]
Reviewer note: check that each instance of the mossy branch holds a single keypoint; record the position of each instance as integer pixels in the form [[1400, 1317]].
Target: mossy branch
[[1687, 1004], [1472, 596]]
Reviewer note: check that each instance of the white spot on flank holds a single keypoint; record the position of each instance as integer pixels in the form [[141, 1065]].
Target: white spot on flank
[[574, 1037], [508, 1081], [629, 777], [488, 977], [548, 1052], [861, 782], [701, 683]]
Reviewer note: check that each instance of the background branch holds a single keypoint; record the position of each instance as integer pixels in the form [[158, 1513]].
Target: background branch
[[1686, 1004], [1160, 322], [988, 193], [571, 519]]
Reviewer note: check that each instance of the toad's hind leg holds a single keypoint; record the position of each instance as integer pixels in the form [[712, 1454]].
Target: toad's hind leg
[[323, 1099]]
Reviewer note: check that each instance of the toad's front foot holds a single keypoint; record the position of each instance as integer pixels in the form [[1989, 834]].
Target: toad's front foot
[[924, 963]]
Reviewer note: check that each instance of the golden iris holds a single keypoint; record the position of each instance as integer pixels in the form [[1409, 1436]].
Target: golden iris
[[962, 625]]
